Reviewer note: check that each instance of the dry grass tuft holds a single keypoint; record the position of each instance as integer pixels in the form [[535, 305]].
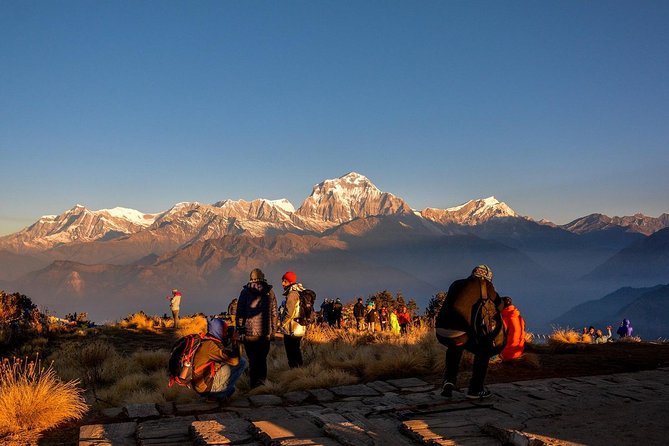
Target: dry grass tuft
[[565, 336], [141, 321], [629, 339], [191, 325], [34, 399]]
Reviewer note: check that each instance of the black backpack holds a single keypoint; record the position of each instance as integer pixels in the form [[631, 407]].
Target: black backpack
[[180, 365], [306, 313], [489, 332]]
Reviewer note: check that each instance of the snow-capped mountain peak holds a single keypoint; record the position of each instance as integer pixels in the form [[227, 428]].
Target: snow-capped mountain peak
[[470, 213], [131, 215], [348, 197]]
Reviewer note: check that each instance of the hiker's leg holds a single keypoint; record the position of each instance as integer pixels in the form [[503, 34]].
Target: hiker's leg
[[293, 352], [175, 316], [479, 371], [226, 378], [453, 358], [257, 352]]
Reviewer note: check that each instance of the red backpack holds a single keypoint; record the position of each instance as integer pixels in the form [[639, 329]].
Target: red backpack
[[180, 366]]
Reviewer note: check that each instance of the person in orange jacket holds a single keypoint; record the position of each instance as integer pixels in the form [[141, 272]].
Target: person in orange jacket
[[515, 324]]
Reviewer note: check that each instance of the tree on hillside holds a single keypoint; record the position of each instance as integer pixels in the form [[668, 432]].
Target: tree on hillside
[[434, 305], [19, 319]]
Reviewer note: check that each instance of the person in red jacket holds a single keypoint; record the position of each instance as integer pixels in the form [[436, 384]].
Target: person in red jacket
[[515, 324]]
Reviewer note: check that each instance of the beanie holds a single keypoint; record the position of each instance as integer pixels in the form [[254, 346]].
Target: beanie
[[257, 276], [483, 272], [290, 276]]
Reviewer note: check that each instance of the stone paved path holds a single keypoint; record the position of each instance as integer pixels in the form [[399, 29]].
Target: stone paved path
[[630, 408]]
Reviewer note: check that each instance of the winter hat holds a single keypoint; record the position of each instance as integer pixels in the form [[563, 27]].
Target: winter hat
[[507, 301], [217, 328], [257, 276], [290, 276], [483, 272]]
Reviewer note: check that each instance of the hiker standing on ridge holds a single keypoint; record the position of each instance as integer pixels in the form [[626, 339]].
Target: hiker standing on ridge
[[257, 321], [175, 303], [359, 313], [292, 329], [470, 318]]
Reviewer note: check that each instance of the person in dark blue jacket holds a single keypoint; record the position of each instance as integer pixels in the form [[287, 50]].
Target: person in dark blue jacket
[[257, 322]]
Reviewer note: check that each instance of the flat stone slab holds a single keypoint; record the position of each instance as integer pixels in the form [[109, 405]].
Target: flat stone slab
[[265, 400], [348, 433], [226, 431], [281, 431], [141, 411], [354, 390], [296, 397], [382, 386], [267, 413], [405, 383], [322, 395], [113, 412], [120, 434], [200, 406], [164, 431]]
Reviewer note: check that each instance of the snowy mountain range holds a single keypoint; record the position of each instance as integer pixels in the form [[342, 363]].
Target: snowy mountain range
[[331, 203], [348, 238]]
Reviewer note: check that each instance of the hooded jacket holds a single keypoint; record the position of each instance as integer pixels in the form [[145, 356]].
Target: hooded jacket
[[625, 329], [455, 314], [256, 310], [211, 355], [515, 342], [292, 293]]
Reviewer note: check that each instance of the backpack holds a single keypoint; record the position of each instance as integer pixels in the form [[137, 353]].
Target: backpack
[[180, 365], [489, 332], [306, 311]]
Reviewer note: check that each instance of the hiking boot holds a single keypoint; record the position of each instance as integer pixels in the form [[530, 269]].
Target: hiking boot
[[485, 393], [447, 389]]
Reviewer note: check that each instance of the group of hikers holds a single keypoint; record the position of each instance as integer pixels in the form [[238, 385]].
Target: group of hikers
[[217, 364], [597, 336], [472, 317]]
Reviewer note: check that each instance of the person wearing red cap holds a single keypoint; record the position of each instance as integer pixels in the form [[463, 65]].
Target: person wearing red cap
[[292, 329]]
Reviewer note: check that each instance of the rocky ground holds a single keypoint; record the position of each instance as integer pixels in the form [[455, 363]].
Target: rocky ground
[[541, 362]]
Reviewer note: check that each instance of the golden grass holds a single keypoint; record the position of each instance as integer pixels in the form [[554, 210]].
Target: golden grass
[[191, 325], [141, 321], [566, 336], [33, 399]]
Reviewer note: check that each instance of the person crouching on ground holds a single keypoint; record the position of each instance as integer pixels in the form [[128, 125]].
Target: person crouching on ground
[[454, 329], [292, 329], [217, 365], [515, 324]]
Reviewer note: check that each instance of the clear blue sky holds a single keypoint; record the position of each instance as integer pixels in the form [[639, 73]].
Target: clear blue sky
[[560, 109]]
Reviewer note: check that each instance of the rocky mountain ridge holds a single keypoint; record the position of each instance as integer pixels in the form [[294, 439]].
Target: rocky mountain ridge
[[331, 203]]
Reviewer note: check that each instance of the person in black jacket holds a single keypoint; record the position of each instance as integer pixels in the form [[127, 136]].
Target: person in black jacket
[[454, 329], [359, 313], [257, 321]]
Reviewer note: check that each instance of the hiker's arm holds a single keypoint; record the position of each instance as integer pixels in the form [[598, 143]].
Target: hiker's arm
[[240, 317]]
